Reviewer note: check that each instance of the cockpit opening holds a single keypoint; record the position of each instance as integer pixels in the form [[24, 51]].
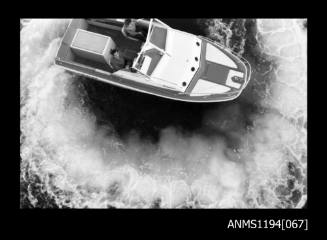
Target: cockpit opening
[[135, 29]]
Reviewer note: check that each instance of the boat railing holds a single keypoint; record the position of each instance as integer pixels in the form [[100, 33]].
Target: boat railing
[[249, 70]]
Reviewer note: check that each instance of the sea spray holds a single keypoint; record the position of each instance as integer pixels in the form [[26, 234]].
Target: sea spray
[[68, 160]]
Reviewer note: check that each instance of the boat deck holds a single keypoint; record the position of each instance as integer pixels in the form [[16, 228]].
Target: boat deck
[[97, 65], [121, 41], [127, 48], [124, 78]]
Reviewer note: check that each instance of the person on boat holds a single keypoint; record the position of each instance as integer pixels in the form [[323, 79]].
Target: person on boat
[[117, 62], [131, 29]]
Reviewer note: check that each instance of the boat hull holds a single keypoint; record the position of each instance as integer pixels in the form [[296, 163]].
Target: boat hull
[[124, 78]]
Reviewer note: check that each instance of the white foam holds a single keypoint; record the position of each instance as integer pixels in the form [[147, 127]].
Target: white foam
[[94, 169]]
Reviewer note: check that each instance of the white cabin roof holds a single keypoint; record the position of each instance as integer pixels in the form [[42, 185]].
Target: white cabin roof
[[182, 61]]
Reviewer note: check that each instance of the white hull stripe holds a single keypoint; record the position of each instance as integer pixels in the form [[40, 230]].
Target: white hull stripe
[[204, 87], [148, 92], [215, 55]]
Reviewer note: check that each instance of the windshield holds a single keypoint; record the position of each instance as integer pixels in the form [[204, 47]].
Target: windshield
[[148, 61], [169, 57], [153, 49], [158, 36]]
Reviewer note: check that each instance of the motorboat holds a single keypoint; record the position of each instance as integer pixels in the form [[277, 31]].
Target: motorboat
[[157, 60]]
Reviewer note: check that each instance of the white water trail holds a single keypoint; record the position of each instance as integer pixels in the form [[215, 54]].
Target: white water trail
[[281, 136]]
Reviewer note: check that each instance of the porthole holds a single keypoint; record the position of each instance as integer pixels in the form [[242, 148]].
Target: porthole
[[193, 69], [184, 84], [196, 59], [197, 43]]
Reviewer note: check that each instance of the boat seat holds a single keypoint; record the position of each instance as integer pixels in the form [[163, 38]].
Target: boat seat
[[92, 46]]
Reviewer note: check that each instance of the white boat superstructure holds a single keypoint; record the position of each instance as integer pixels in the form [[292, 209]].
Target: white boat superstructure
[[168, 63]]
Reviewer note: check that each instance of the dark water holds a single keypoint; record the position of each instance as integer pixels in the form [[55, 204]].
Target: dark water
[[186, 24]]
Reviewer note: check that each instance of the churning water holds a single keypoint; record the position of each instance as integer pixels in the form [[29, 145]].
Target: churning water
[[89, 144]]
